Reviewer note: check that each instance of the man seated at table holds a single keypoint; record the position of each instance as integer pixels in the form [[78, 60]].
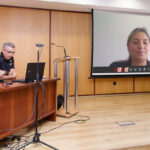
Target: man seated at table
[[7, 68]]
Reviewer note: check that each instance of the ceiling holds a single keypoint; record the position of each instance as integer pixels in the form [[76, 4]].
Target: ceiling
[[141, 6]]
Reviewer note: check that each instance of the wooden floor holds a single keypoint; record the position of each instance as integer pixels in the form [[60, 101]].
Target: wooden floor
[[117, 122]]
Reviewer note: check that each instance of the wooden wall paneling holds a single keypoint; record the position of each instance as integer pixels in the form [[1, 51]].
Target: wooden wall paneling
[[25, 28], [73, 31], [113, 85], [142, 84]]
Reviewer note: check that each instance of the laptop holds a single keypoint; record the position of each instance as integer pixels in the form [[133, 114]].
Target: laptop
[[31, 72]]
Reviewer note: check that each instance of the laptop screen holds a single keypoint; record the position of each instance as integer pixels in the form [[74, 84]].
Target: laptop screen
[[31, 71]]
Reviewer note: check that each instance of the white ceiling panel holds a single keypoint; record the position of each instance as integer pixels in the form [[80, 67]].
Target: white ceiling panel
[[83, 5]]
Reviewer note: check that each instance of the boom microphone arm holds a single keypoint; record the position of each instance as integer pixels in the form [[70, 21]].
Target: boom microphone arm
[[62, 47]]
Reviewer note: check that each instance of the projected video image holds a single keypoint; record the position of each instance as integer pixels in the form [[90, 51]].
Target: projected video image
[[121, 44]]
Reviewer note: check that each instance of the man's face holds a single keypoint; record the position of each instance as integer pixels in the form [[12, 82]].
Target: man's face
[[8, 52]]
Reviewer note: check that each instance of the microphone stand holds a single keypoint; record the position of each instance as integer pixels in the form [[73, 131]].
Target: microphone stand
[[36, 138], [65, 53]]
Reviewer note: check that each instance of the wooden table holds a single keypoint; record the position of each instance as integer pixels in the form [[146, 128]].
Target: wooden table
[[17, 105]]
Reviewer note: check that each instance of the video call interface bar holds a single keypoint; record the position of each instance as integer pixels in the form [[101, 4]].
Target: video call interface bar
[[138, 69], [132, 69]]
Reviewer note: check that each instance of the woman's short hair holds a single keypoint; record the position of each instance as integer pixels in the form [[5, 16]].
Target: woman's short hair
[[143, 29]]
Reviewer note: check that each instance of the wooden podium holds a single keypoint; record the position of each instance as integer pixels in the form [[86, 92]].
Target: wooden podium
[[66, 112]]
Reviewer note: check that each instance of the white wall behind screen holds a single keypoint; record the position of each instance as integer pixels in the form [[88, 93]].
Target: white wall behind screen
[[110, 33]]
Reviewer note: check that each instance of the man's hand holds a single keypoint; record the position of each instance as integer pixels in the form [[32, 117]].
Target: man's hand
[[2, 73], [10, 75]]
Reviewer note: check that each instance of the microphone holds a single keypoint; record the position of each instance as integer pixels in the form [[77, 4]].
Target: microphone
[[39, 45], [62, 47]]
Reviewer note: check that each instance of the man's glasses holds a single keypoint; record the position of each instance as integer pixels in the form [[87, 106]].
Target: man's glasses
[[10, 52]]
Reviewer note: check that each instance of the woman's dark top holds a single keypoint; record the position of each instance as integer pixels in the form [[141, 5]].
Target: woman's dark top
[[123, 63]]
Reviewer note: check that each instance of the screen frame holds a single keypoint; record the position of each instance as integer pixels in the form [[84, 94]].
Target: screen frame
[[113, 75]]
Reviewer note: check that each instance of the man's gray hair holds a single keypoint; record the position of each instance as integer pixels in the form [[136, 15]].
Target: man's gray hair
[[8, 44]]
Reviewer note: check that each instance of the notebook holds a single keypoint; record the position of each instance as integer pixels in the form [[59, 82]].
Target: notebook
[[31, 72]]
